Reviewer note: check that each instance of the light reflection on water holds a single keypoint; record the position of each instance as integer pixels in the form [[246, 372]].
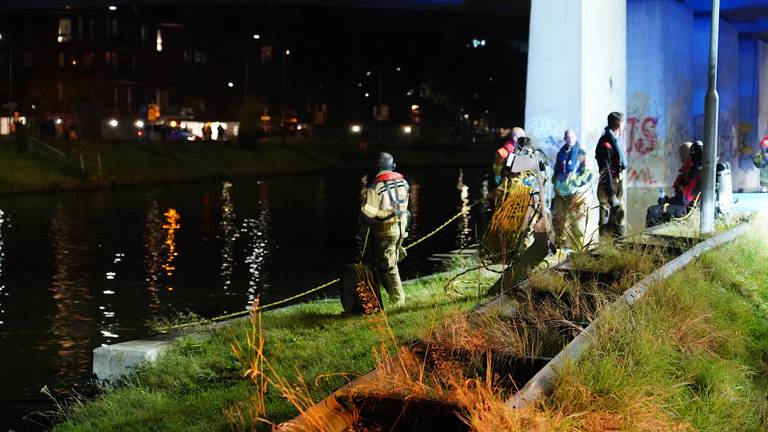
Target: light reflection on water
[[170, 226], [413, 207], [228, 234], [72, 297], [464, 228], [153, 238], [258, 247], [3, 218]]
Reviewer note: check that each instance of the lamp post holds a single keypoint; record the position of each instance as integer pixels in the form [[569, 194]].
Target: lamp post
[[711, 103], [10, 77], [286, 53]]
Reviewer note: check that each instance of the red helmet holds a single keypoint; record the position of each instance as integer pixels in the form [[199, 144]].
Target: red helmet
[[764, 142]]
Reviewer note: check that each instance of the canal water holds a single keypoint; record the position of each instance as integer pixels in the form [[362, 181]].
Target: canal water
[[82, 269]]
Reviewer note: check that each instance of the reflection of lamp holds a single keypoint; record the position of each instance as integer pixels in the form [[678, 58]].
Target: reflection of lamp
[[172, 224], [407, 130]]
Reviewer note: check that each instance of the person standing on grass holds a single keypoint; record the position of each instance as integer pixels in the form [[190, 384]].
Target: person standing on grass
[[571, 182], [386, 213], [612, 162]]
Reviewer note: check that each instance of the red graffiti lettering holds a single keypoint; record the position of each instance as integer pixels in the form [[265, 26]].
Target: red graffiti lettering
[[642, 175], [642, 135]]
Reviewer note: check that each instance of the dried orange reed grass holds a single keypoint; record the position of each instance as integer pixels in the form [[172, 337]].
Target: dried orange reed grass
[[263, 375], [436, 372]]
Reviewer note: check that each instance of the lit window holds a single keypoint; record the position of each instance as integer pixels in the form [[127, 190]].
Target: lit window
[[159, 41], [65, 30], [200, 57]]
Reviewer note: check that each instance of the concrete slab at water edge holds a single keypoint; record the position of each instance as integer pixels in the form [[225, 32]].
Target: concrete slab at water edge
[[111, 362]]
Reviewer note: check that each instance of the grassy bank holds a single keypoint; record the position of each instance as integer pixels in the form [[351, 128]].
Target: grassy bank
[[192, 386], [130, 163], [692, 355]]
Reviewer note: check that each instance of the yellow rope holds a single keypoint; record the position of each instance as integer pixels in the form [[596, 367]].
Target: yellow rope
[[453, 218], [317, 288]]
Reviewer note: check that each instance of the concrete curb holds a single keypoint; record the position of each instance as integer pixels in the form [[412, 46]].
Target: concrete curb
[[541, 383]]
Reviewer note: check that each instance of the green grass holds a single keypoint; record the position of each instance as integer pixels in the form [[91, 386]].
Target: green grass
[[21, 171], [692, 353], [189, 387]]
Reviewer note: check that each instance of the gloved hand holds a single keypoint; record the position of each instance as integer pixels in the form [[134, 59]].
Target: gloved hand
[[614, 200]]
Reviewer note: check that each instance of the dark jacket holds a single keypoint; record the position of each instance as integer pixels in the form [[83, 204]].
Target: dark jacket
[[687, 185], [611, 161]]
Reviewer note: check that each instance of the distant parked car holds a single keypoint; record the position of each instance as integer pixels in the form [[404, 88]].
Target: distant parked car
[[164, 132]]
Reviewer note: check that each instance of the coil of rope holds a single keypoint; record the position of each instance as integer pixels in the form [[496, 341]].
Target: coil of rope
[[317, 288]]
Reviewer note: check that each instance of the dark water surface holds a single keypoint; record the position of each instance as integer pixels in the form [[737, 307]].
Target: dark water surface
[[82, 269]]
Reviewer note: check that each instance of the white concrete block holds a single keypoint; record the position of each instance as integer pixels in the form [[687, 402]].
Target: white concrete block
[[115, 361]]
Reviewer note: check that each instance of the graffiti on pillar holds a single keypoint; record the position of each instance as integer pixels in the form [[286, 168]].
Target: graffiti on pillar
[[641, 135], [546, 133], [746, 150], [641, 176]]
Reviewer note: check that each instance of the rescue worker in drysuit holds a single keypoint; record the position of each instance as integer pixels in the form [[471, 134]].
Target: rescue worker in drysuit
[[612, 162], [386, 213], [687, 187]]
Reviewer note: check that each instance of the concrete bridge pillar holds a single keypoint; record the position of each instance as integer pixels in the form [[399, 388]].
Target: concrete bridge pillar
[[577, 69], [753, 103], [577, 74], [659, 90]]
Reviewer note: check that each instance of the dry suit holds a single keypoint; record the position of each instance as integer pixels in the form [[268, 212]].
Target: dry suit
[[386, 211], [570, 204]]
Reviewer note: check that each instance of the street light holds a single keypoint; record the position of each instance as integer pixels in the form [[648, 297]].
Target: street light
[[230, 84], [257, 36]]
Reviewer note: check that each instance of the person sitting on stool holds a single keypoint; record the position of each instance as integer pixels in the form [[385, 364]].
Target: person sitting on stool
[[687, 187]]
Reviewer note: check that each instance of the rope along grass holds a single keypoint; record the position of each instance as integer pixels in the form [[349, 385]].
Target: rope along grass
[[317, 288]]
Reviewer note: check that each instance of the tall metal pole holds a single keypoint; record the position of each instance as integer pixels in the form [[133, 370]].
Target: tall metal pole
[[245, 84], [10, 84], [379, 112], [282, 95], [711, 106]]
